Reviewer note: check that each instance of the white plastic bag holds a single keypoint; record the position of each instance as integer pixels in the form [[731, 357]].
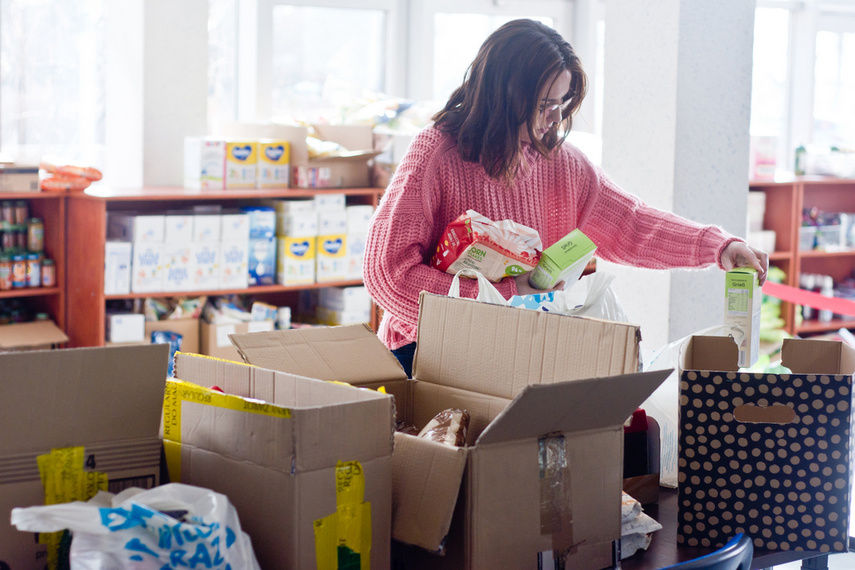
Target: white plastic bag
[[170, 526], [487, 292], [663, 405], [592, 296]]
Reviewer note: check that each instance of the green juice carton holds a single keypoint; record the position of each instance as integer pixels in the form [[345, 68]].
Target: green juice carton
[[742, 301], [565, 260]]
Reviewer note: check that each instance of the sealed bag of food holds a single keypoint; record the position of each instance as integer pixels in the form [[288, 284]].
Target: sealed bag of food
[[495, 249]]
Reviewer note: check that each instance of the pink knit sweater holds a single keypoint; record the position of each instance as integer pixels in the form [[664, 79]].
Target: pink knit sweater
[[433, 186]]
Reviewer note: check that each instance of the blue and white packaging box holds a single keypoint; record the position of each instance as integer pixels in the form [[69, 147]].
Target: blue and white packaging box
[[297, 224], [177, 266], [262, 261], [359, 218], [262, 221], [355, 299], [123, 226], [234, 264], [295, 260], [147, 267], [206, 228], [234, 227], [356, 243], [328, 202], [178, 228], [332, 222], [117, 267], [206, 265]]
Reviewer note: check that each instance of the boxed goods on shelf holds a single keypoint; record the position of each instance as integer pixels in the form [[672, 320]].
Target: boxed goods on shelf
[[101, 404], [320, 452], [33, 335], [509, 369], [19, 178]]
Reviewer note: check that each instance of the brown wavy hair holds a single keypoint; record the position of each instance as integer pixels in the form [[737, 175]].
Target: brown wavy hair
[[501, 92]]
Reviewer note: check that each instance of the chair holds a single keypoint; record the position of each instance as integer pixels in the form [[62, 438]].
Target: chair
[[735, 555]]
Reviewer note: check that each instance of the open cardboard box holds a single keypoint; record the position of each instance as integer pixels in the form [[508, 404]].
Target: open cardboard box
[[36, 335], [348, 169], [530, 380], [282, 448], [106, 400], [774, 449]]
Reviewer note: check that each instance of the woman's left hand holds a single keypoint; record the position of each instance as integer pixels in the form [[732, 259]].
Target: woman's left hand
[[740, 254]]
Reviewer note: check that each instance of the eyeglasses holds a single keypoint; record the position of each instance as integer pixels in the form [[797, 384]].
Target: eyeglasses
[[547, 110]]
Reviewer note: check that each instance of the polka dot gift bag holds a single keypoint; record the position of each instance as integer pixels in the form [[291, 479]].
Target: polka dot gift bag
[[768, 455]]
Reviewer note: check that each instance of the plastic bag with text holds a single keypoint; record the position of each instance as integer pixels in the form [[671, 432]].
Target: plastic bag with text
[[171, 526], [590, 296], [487, 292], [663, 404]]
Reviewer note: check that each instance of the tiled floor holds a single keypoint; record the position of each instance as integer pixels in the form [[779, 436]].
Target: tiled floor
[[835, 562]]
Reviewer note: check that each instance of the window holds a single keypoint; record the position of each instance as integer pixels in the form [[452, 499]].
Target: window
[[834, 88], [52, 80]]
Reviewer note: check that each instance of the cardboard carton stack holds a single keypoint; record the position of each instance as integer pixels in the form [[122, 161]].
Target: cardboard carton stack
[[101, 405], [544, 391]]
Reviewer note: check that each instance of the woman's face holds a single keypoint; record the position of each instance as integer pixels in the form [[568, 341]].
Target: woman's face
[[550, 106]]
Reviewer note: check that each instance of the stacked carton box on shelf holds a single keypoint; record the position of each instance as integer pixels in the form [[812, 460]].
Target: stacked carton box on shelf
[[206, 247], [296, 234], [262, 244], [234, 250], [146, 235], [332, 238]]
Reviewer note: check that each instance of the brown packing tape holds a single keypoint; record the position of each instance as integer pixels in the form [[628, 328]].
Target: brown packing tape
[[556, 509]]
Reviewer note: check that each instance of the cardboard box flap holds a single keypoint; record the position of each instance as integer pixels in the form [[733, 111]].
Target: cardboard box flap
[[805, 356], [567, 407], [351, 155], [36, 333], [349, 353], [710, 353], [119, 390], [499, 350]]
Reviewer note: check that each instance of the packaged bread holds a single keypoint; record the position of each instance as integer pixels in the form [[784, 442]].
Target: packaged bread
[[448, 427]]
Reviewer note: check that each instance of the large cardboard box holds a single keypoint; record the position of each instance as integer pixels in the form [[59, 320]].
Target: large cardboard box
[[36, 335], [768, 455], [307, 464], [214, 338], [106, 400], [534, 383]]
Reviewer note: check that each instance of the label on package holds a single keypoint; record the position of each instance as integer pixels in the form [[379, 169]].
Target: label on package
[[565, 260]]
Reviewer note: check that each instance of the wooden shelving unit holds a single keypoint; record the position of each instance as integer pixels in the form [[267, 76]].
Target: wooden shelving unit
[[87, 230], [785, 200], [52, 209]]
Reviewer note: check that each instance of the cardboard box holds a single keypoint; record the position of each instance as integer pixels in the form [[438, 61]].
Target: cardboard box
[[565, 260], [742, 300], [178, 266], [136, 228], [234, 265], [331, 262], [19, 178], [178, 228], [345, 298], [514, 376], [187, 328], [214, 338], [768, 455], [106, 400], [206, 265], [234, 226], [291, 454], [206, 227], [37, 335]]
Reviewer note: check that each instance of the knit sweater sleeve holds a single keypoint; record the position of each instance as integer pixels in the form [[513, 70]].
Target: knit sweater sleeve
[[402, 235], [630, 232]]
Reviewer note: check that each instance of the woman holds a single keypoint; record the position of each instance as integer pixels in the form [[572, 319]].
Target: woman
[[497, 148]]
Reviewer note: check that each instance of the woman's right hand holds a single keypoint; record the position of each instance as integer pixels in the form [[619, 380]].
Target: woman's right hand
[[524, 288]]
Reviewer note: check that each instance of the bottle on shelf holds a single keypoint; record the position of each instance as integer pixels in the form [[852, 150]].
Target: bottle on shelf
[[827, 289], [807, 281], [799, 163]]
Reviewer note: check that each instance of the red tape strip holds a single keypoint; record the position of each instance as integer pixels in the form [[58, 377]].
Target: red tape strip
[[801, 297]]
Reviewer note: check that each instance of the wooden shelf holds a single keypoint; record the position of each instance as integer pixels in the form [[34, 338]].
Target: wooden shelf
[[785, 200], [87, 230], [51, 208]]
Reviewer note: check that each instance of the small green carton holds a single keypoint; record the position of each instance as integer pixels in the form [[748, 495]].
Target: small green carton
[[565, 260], [743, 298]]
